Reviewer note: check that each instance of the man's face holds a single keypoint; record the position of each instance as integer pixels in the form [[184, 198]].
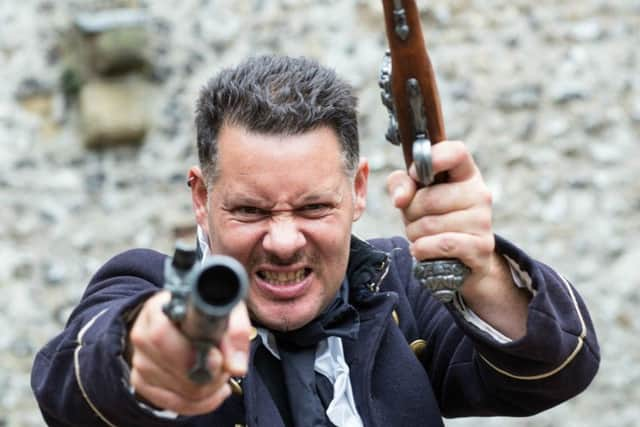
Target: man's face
[[283, 206]]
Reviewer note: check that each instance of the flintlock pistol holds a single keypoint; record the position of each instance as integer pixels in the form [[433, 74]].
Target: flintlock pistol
[[409, 92], [202, 297]]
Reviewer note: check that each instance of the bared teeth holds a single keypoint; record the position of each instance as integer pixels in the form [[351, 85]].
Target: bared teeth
[[283, 278]]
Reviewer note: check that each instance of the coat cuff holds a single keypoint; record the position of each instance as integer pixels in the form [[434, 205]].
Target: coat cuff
[[555, 308], [101, 372]]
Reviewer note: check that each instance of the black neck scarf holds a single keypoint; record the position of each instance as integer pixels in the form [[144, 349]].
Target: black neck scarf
[[309, 398]]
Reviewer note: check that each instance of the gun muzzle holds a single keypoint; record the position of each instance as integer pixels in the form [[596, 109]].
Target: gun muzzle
[[202, 297], [218, 285]]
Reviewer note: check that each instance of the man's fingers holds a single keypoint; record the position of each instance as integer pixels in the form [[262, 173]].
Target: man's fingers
[[155, 335], [235, 343], [463, 189], [162, 355], [401, 188], [473, 251], [156, 385], [470, 221], [185, 405], [145, 370], [454, 158], [448, 197]]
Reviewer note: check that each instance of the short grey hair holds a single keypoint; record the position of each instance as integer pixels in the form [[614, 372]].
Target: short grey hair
[[276, 95]]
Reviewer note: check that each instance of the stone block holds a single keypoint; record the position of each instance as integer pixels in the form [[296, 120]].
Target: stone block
[[119, 50], [113, 41], [114, 111]]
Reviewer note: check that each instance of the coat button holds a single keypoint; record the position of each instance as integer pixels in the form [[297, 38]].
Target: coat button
[[394, 315], [236, 388], [418, 346], [253, 334]]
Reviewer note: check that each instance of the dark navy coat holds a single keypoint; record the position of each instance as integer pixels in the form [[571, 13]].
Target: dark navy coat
[[415, 360]]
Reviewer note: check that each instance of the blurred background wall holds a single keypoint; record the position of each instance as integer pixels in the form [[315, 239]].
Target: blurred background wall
[[96, 135]]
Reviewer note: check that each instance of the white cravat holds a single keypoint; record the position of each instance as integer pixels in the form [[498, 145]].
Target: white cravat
[[330, 363]]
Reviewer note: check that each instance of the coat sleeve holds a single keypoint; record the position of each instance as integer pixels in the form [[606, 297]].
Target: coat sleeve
[[472, 373], [80, 377]]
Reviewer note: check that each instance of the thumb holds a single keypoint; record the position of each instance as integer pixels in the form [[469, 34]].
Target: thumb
[[401, 188], [235, 343]]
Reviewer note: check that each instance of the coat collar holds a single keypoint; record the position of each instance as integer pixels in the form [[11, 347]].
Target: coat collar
[[366, 269]]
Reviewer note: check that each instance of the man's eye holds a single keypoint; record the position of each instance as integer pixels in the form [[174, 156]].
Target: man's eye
[[250, 212], [315, 210]]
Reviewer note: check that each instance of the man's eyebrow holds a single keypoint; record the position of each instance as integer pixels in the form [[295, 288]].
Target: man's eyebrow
[[242, 200], [334, 195]]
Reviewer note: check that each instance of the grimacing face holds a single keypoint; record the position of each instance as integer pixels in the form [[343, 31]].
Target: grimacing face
[[284, 207]]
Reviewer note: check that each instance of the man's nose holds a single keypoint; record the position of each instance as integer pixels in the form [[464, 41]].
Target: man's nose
[[283, 239]]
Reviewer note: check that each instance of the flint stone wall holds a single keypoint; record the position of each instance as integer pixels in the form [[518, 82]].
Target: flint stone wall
[[545, 93]]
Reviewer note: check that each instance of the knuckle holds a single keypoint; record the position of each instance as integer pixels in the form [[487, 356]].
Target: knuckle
[[158, 396], [425, 203], [145, 369], [136, 337], [412, 236], [181, 403], [428, 226], [485, 223], [156, 335], [138, 364], [177, 404], [156, 339], [460, 150], [135, 379], [487, 197], [196, 393], [239, 335], [446, 245], [214, 359], [204, 399], [486, 246]]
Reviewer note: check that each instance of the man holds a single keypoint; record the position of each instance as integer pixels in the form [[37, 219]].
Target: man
[[345, 335]]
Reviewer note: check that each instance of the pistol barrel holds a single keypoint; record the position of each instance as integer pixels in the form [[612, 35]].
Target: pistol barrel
[[219, 285]]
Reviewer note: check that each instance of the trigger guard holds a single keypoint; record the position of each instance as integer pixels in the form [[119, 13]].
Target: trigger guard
[[422, 160]]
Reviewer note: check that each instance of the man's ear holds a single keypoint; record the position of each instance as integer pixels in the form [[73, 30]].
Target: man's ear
[[360, 188], [199, 198]]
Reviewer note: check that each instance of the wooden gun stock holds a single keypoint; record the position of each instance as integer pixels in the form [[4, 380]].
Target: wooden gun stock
[[411, 96], [410, 60]]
